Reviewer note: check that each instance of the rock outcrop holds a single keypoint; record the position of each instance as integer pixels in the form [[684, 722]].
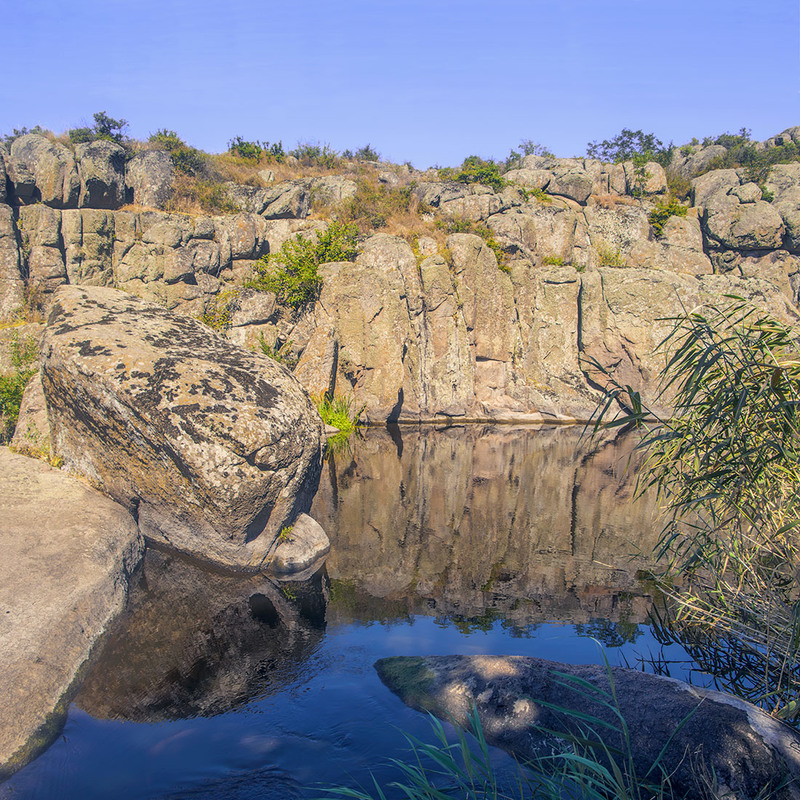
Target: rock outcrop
[[709, 738], [430, 331], [68, 553], [213, 448]]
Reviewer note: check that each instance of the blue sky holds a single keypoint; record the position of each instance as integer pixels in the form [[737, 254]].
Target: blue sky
[[429, 81]]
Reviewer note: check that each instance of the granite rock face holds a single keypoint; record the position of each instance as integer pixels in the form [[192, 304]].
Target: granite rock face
[[746, 750], [42, 171], [59, 591], [213, 448]]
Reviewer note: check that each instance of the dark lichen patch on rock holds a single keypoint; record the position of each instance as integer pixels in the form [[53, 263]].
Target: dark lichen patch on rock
[[175, 425]]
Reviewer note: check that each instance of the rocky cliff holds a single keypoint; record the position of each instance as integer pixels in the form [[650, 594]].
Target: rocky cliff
[[423, 327]]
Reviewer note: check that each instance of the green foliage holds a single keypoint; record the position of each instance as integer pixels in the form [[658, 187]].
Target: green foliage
[[663, 211], [476, 170], [553, 261], [340, 412], [679, 186], [315, 154], [365, 153], [286, 533], [629, 144], [186, 160], [374, 204], [104, 127], [282, 353], [218, 310], [527, 147], [256, 151], [293, 272], [12, 385], [540, 194], [609, 257], [727, 465], [166, 140], [747, 155]]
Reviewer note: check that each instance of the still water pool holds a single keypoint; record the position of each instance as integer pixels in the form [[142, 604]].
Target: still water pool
[[465, 540]]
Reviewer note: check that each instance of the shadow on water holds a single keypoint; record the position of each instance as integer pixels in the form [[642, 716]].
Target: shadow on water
[[196, 643]]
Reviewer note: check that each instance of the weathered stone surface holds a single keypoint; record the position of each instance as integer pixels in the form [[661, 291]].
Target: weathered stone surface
[[88, 240], [101, 168], [40, 231], [213, 447], [3, 174], [698, 160], [288, 200], [11, 284], [43, 171], [713, 188], [149, 177], [59, 590], [32, 434], [332, 189], [316, 369], [746, 226], [747, 751], [301, 548]]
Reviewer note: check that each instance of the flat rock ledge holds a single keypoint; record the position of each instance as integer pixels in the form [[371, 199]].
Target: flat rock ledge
[[68, 552], [749, 753]]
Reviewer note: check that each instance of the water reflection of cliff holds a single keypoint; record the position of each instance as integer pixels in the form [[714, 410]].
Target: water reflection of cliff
[[197, 643], [469, 522]]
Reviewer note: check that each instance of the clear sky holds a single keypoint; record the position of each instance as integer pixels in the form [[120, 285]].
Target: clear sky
[[429, 81]]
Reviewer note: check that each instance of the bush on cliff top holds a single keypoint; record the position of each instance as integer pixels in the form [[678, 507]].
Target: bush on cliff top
[[293, 272]]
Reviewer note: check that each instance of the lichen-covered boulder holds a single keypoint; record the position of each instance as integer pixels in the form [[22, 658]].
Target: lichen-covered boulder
[[101, 167], [694, 733], [43, 171], [214, 448], [149, 178]]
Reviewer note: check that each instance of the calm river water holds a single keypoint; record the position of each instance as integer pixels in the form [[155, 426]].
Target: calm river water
[[463, 540]]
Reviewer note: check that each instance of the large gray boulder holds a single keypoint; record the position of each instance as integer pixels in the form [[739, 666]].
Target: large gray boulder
[[101, 167], [713, 734], [67, 555], [215, 449], [43, 171], [149, 177]]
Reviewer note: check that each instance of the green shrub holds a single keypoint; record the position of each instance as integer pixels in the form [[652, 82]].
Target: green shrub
[[218, 310], [374, 204], [628, 145], [12, 385], [293, 272], [609, 257], [679, 186], [256, 151], [365, 153], [187, 160], [663, 211], [282, 353], [104, 127], [726, 464], [311, 154], [476, 170], [553, 261], [339, 411]]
